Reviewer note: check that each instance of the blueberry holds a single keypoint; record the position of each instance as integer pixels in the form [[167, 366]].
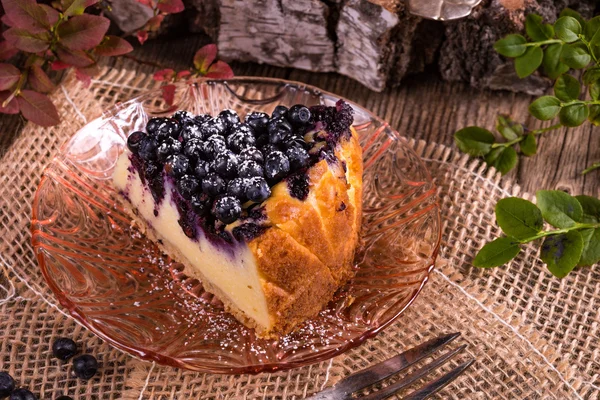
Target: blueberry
[[22, 394], [187, 186], [240, 140], [251, 154], [193, 149], [182, 116], [213, 185], [249, 168], [177, 165], [169, 147], [296, 142], [7, 384], [227, 209], [134, 140], [211, 127], [191, 130], [64, 398], [228, 118], [202, 118], [153, 124], [226, 164], [279, 111], [262, 140], [299, 115], [279, 129], [277, 166], [85, 366], [258, 190], [147, 149], [298, 157], [200, 203], [238, 187], [268, 149], [213, 146], [258, 121], [64, 348], [167, 128], [202, 169]]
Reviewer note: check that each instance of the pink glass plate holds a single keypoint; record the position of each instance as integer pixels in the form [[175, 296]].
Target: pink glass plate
[[118, 284]]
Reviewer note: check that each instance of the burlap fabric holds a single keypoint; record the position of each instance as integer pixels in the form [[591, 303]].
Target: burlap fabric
[[533, 336]]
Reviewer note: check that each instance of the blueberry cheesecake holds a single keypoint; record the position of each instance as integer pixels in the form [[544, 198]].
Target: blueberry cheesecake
[[264, 210]]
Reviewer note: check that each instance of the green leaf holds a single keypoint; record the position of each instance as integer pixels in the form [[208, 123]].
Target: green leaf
[[493, 155], [568, 12], [562, 252], [567, 88], [474, 140], [591, 28], [595, 44], [575, 56], [536, 29], [528, 145], [526, 64], [76, 7], [519, 218], [594, 116], [504, 161], [591, 75], [511, 46], [545, 108], [508, 128], [497, 252], [591, 247], [594, 89], [567, 29], [591, 209], [551, 63], [573, 115], [559, 209]]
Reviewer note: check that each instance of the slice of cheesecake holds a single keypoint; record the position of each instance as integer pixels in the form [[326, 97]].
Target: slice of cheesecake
[[265, 213]]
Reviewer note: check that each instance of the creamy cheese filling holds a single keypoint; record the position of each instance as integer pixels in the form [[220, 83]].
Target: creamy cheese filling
[[234, 272]]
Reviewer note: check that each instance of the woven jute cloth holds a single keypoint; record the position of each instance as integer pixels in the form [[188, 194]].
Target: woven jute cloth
[[533, 336]]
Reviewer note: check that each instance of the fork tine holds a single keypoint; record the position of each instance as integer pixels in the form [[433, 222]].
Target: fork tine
[[414, 376], [378, 372], [433, 387]]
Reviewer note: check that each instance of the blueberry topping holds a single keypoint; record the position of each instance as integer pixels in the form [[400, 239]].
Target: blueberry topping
[[191, 130], [277, 166], [299, 115], [258, 190], [213, 146], [169, 147], [187, 186], [22, 394], [193, 149], [213, 185], [298, 157], [147, 149], [177, 165], [202, 118], [167, 128], [249, 168], [64, 348], [251, 154], [153, 124], [213, 126], [200, 203], [268, 149], [238, 187], [279, 111], [226, 164], [202, 169], [279, 129], [258, 121], [229, 118], [134, 140], [85, 366], [152, 169], [182, 116], [240, 139], [227, 209], [7, 384]]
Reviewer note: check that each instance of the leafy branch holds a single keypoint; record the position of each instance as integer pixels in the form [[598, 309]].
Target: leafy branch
[[160, 9], [570, 43], [575, 242]]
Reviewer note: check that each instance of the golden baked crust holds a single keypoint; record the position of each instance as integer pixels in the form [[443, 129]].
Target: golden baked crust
[[308, 253]]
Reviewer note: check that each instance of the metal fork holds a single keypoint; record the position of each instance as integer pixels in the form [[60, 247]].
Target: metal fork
[[344, 389]]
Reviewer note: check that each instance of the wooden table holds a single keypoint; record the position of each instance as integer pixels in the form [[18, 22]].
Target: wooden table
[[423, 108]]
